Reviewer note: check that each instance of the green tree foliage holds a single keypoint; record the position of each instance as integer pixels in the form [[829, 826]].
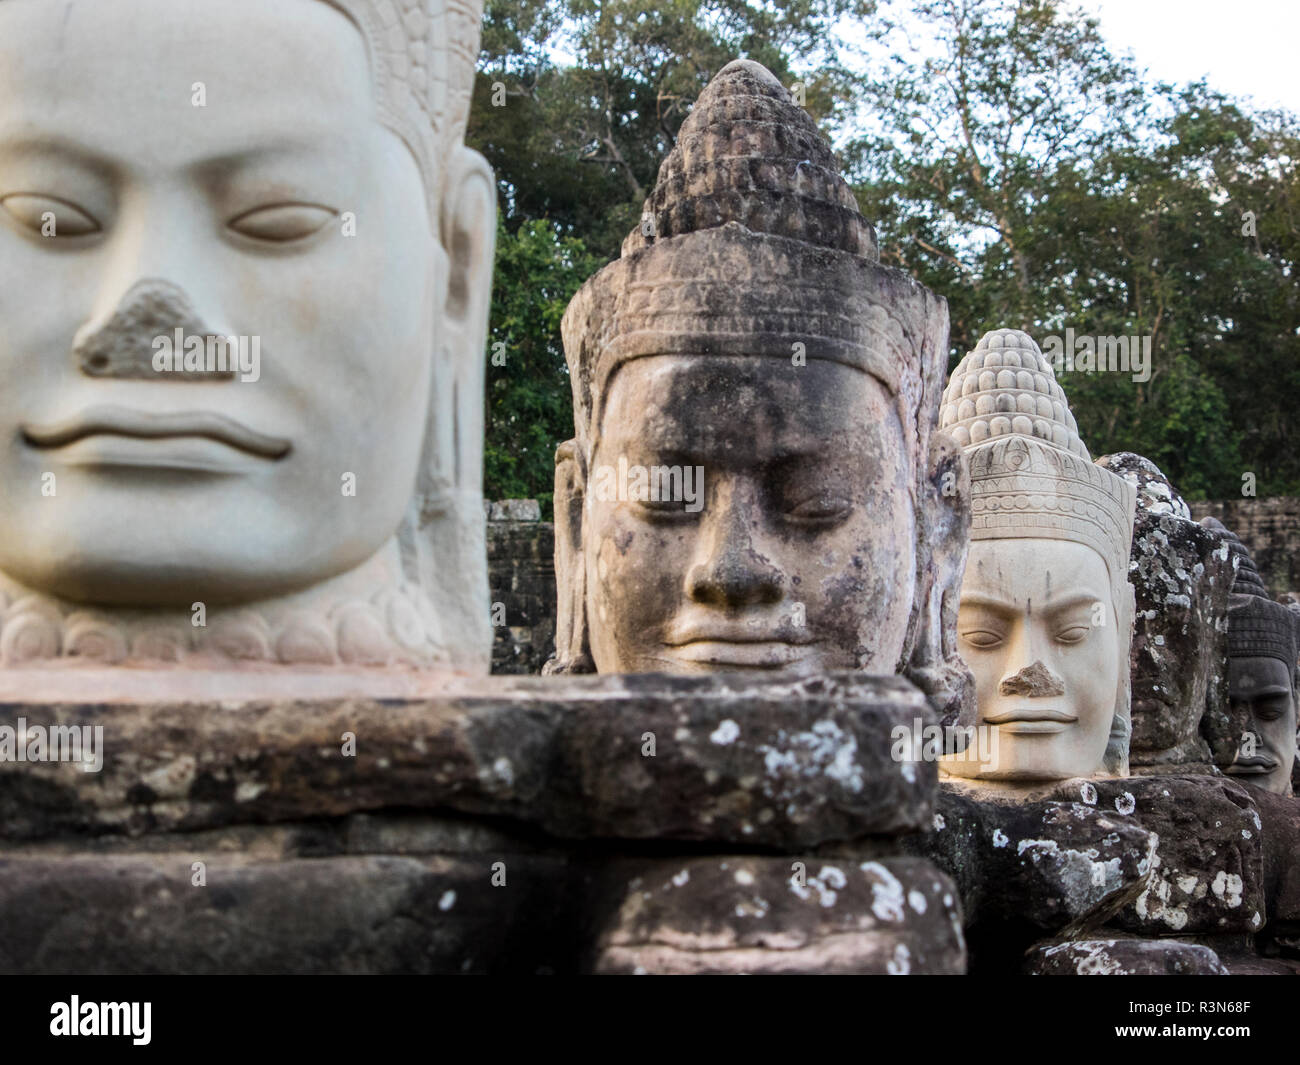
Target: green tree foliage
[[580, 142], [1032, 177], [529, 408], [1011, 161]]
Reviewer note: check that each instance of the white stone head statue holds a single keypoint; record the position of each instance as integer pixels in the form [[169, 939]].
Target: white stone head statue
[[1046, 610], [245, 270]]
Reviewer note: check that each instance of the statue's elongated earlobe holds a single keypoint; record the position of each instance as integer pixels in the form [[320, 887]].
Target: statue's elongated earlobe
[[572, 654]]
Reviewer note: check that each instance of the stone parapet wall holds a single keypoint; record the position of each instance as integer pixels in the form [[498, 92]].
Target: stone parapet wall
[[521, 582], [596, 824], [1270, 529]]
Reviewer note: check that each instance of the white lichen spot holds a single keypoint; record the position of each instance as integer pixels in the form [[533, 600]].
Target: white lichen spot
[[247, 791], [901, 963], [1000, 839], [886, 892], [1187, 884], [1245, 833], [916, 900], [1125, 803], [1097, 962], [744, 877], [727, 732], [939, 823], [680, 879], [447, 901], [1153, 904], [1228, 887], [825, 750], [1088, 793], [504, 771]]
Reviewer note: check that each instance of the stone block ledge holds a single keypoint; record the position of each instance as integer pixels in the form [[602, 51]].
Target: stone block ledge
[[758, 761]]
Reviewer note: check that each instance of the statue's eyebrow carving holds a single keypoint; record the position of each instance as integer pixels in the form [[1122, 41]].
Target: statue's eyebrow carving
[[54, 146]]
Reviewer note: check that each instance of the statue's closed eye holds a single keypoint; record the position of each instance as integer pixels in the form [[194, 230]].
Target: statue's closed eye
[[282, 222], [49, 216], [982, 638], [822, 509], [1074, 634]]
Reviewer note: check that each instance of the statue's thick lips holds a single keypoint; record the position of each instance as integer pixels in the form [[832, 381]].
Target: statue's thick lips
[[749, 653], [734, 638], [147, 425], [1022, 715], [1252, 766]]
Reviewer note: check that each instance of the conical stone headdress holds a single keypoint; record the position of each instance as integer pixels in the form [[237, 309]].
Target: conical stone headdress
[[1257, 626], [752, 244], [422, 58], [1032, 477]]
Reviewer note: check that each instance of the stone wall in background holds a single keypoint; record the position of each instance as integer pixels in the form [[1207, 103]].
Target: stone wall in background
[[1270, 529], [521, 580], [521, 567]]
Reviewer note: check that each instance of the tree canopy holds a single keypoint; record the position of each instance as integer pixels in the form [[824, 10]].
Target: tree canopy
[[1010, 159]]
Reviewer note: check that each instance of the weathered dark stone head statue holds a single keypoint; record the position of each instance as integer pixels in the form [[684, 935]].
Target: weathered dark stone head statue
[[1262, 641], [1182, 574], [756, 481]]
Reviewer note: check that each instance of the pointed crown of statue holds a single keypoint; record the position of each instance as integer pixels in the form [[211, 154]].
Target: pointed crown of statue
[[752, 244], [422, 58], [1031, 475], [1258, 627]]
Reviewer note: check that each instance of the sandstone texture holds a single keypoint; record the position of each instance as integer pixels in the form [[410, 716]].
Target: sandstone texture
[[1045, 866], [1208, 872], [1123, 957], [895, 916], [729, 759]]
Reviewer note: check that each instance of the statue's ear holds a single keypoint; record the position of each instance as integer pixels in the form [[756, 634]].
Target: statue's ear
[[1116, 759], [443, 536], [572, 654], [469, 233], [943, 542]]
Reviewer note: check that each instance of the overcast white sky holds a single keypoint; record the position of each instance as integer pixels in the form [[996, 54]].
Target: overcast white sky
[[1242, 47]]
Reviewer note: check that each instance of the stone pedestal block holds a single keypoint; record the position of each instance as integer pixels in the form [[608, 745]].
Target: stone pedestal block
[[1049, 866], [735, 759], [489, 828], [1208, 873], [1123, 957], [785, 915]]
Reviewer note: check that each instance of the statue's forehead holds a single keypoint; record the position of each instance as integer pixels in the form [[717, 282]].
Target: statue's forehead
[[1260, 674], [701, 399], [130, 68], [1038, 572]]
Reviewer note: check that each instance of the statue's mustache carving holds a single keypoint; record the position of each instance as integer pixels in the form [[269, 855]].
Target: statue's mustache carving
[[124, 347]]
